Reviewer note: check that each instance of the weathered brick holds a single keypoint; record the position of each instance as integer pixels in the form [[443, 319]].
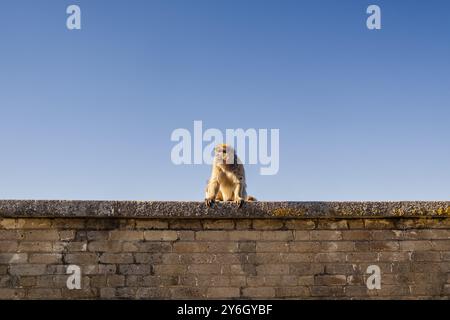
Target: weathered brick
[[326, 235], [72, 246], [440, 245], [307, 246], [72, 223], [84, 293], [394, 256], [47, 258], [272, 269], [300, 224], [98, 281], [337, 268], [81, 258], [271, 246], [280, 280], [327, 291], [302, 235], [425, 256], [7, 293], [259, 292], [219, 224], [185, 224], [332, 246], [153, 246], [330, 280], [186, 235], [8, 223], [212, 235], [156, 235], [225, 292], [186, 292], [126, 269], [28, 269], [67, 235], [181, 247], [10, 235], [107, 293], [306, 269], [97, 235], [237, 281], [355, 223], [200, 258], [174, 269], [388, 234], [239, 269], [362, 257], [103, 224], [330, 257], [415, 245], [292, 292], [356, 235], [153, 293], [128, 235], [13, 258], [41, 235], [152, 258], [277, 235], [272, 257], [379, 223], [9, 246], [243, 235], [247, 246], [267, 224], [243, 224], [332, 224], [152, 224], [32, 246], [296, 257], [305, 280], [30, 281], [158, 281], [33, 223], [203, 268], [384, 245], [445, 256], [117, 258], [105, 246]]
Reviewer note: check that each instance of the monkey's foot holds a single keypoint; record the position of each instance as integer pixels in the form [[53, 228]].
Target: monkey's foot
[[209, 202], [239, 202]]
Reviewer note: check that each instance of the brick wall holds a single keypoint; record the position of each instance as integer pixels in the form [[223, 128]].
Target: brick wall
[[204, 257]]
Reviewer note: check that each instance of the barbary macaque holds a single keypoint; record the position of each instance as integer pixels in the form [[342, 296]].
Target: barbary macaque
[[227, 182]]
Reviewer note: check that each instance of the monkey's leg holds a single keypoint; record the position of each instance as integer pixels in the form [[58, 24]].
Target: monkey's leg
[[211, 192], [238, 194]]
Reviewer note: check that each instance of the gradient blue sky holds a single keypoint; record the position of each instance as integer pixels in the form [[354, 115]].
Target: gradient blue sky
[[363, 115]]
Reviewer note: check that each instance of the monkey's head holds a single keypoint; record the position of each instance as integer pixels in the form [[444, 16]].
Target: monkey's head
[[224, 154]]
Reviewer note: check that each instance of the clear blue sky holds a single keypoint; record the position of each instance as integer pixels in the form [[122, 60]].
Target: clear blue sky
[[363, 115]]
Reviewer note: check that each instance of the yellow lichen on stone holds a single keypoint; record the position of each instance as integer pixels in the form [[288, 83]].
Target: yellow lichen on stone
[[443, 211], [284, 212]]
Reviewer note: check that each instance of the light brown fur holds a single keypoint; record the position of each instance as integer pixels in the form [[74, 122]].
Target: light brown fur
[[227, 182]]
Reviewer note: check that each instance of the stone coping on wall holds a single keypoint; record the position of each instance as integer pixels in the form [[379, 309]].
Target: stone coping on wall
[[184, 209]]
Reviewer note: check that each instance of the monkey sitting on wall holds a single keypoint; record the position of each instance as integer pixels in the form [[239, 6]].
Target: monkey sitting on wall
[[227, 182]]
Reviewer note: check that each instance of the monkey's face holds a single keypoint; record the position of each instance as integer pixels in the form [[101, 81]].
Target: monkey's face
[[224, 154]]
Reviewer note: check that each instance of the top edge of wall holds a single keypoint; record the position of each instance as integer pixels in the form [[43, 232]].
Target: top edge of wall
[[181, 209]]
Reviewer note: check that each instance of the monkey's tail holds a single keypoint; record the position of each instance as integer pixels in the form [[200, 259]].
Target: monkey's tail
[[250, 198]]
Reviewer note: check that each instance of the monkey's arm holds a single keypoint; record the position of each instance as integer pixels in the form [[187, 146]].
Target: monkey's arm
[[239, 193], [212, 189]]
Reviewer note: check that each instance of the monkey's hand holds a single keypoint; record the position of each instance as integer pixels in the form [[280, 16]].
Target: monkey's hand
[[209, 202], [239, 202]]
